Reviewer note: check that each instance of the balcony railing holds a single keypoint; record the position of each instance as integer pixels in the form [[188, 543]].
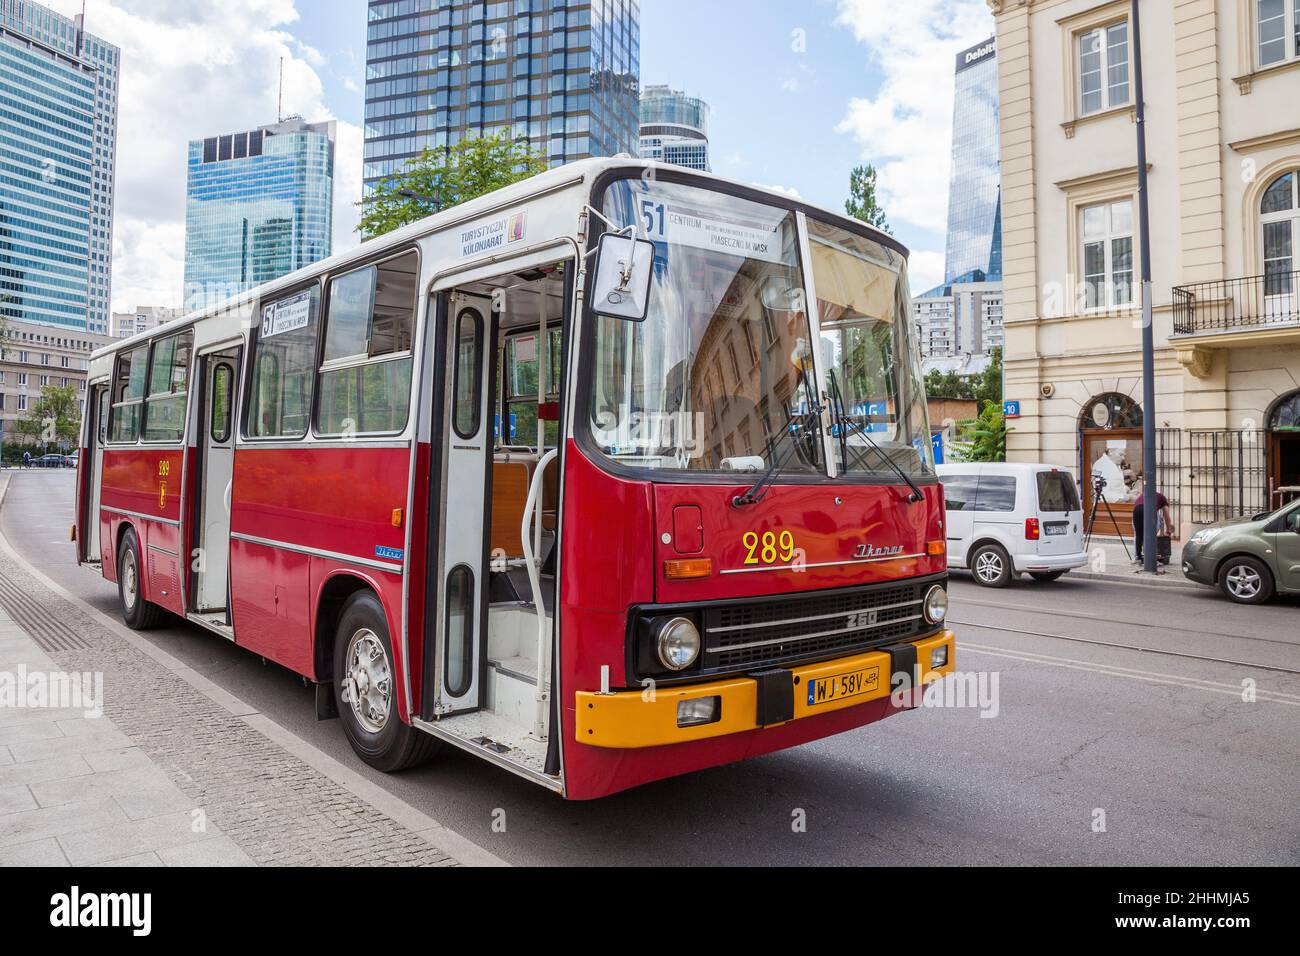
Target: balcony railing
[[1255, 302]]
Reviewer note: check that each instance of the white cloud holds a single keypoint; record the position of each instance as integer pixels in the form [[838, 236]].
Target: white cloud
[[924, 270], [785, 190], [192, 68], [905, 129], [348, 180]]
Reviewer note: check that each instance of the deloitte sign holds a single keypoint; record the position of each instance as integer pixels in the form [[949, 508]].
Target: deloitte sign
[[976, 54]]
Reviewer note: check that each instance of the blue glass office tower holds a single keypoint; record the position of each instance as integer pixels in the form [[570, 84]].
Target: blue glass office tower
[[259, 205], [974, 194], [674, 128], [562, 73], [58, 146]]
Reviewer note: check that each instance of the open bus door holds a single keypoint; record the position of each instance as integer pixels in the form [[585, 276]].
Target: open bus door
[[460, 568], [216, 443], [92, 458]]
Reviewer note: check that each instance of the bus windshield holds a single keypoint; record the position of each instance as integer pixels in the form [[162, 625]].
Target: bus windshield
[[721, 376]]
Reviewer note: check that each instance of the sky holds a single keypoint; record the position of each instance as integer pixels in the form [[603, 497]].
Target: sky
[[800, 92]]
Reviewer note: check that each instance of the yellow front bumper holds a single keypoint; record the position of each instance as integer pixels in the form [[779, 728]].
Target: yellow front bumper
[[648, 718]]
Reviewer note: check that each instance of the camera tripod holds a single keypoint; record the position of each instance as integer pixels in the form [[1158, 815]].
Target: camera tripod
[[1099, 497]]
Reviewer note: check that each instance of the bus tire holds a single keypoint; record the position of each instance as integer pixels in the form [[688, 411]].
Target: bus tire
[[991, 566], [365, 690], [138, 613]]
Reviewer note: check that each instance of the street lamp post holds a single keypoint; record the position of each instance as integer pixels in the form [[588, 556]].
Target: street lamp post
[[1150, 512]]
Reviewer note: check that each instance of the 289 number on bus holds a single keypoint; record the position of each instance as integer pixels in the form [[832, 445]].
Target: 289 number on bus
[[768, 548]]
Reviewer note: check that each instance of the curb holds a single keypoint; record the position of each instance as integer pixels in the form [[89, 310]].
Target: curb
[[1137, 579], [460, 848]]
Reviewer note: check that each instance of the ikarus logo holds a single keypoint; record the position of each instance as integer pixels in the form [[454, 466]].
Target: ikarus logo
[[870, 551]]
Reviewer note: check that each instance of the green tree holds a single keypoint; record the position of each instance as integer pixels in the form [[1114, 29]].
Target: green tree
[[59, 405], [983, 438], [862, 203], [438, 179], [947, 385], [985, 386]]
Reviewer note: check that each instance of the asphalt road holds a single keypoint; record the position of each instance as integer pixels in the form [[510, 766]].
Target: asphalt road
[[1159, 740]]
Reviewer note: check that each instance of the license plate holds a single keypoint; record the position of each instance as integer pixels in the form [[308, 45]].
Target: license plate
[[1055, 528], [850, 684]]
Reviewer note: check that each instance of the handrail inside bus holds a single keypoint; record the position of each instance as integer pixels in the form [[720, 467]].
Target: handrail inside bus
[[535, 582]]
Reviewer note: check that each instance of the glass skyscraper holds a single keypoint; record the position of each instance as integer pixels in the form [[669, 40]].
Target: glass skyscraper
[[58, 148], [974, 194], [674, 128], [562, 73], [259, 205]]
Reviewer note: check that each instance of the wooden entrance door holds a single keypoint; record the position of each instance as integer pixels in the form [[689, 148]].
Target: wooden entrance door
[[1283, 467], [1116, 456]]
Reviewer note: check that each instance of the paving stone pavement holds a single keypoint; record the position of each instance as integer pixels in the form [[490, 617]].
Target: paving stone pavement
[[166, 776]]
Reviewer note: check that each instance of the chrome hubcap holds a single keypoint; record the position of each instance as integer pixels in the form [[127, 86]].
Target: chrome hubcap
[[368, 683], [1243, 581], [988, 566], [130, 580]]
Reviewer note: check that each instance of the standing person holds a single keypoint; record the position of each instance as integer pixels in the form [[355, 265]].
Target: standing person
[[1164, 521], [27, 459]]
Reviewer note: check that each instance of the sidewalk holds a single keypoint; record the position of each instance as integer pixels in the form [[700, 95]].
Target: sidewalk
[[175, 771], [1110, 562], [73, 788]]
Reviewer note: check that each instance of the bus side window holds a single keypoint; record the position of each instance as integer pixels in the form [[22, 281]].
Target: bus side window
[[284, 358], [365, 372], [128, 395], [164, 407], [521, 388]]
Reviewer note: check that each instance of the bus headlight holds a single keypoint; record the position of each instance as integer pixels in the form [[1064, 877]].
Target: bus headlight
[[677, 643], [935, 608]]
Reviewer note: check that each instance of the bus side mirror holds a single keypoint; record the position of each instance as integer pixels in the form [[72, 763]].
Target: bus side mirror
[[621, 288]]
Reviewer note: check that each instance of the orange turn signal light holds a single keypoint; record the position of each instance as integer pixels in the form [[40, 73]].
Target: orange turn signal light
[[686, 568], [397, 517], [937, 548]]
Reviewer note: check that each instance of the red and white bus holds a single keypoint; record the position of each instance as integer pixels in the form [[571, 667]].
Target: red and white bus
[[614, 474]]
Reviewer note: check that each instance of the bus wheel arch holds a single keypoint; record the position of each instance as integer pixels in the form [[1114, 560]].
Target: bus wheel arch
[[334, 595]]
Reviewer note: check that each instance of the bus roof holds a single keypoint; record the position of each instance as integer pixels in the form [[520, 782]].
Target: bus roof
[[561, 177]]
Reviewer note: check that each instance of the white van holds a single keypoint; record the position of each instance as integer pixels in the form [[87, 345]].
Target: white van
[[1005, 520]]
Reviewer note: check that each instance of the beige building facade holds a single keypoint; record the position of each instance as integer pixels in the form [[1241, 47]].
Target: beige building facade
[[33, 357], [1222, 92]]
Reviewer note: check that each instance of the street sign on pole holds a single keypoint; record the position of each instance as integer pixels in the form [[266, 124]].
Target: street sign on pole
[[1150, 512]]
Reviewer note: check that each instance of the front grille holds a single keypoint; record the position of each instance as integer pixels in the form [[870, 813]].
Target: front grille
[[760, 633]]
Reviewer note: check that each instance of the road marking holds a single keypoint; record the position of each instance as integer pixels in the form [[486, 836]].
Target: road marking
[[1092, 617], [1111, 670], [459, 847], [1127, 647]]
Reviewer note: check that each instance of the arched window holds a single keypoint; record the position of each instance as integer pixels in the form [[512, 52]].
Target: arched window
[[1110, 411], [1286, 414], [1279, 219]]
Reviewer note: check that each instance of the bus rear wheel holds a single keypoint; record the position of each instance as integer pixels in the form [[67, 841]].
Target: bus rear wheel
[[138, 613], [365, 690]]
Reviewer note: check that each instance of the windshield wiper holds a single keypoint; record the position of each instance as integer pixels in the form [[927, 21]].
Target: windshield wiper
[[841, 418], [758, 490]]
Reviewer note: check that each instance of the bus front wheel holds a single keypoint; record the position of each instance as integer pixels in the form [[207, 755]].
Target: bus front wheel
[[138, 613], [365, 690]]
